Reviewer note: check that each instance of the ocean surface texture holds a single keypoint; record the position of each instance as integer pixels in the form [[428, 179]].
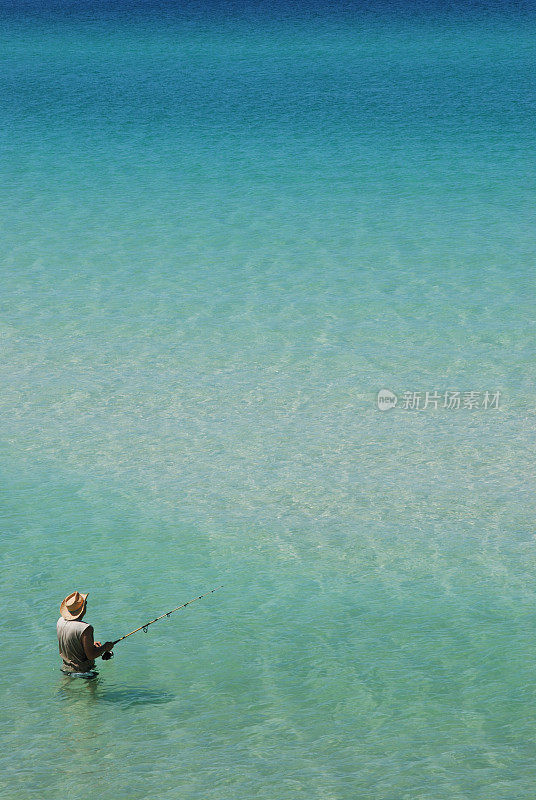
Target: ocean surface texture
[[223, 230]]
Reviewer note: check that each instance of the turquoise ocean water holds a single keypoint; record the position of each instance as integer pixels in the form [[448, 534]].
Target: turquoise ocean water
[[222, 232]]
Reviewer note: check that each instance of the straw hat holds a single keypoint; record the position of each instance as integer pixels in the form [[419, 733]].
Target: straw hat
[[73, 606]]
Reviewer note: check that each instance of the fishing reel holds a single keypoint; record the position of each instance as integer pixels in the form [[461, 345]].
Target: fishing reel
[[106, 656]]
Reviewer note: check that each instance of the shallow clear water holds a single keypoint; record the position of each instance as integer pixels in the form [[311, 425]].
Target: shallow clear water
[[222, 234]]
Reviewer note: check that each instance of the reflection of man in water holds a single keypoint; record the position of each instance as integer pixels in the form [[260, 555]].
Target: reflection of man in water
[[77, 648]]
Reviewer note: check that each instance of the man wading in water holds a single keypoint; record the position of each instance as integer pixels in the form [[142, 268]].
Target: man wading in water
[[75, 638]]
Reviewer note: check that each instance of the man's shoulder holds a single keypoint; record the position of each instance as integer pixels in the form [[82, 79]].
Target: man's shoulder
[[87, 627], [74, 624]]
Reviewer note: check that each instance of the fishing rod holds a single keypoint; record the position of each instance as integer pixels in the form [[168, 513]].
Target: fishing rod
[[108, 654]]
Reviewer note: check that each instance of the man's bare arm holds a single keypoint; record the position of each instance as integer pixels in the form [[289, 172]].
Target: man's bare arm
[[93, 649]]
